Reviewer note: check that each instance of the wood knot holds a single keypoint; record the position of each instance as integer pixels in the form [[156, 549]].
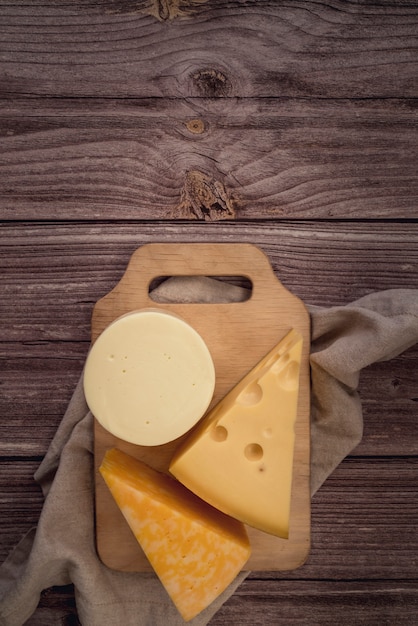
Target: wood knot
[[196, 126], [170, 9], [163, 10], [203, 198], [211, 83]]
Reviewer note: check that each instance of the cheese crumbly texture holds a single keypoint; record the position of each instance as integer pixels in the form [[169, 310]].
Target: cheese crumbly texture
[[240, 456], [195, 550]]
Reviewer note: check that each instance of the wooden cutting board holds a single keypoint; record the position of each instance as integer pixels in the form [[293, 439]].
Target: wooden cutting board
[[238, 335]]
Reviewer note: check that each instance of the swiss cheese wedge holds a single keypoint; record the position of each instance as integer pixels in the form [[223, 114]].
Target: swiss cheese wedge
[[195, 550], [240, 456]]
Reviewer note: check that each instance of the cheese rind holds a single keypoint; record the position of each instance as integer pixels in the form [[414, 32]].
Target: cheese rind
[[149, 377], [240, 456], [195, 550]]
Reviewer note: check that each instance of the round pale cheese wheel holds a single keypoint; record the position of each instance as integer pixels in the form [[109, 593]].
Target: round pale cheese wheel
[[149, 377]]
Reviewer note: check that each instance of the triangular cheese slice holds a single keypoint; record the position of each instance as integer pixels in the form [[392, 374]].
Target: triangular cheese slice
[[240, 457], [195, 550]]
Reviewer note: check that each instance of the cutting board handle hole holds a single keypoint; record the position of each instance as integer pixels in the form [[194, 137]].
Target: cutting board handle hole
[[195, 289]]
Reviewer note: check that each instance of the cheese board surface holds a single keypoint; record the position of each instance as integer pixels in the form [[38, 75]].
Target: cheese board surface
[[238, 335]]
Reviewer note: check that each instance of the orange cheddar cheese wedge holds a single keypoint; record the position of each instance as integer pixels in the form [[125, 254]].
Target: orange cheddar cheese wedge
[[195, 550]]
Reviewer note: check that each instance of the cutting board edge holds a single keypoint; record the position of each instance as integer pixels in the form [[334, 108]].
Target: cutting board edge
[[273, 282]]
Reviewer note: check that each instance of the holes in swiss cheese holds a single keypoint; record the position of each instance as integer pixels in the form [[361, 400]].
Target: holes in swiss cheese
[[253, 452], [290, 376], [219, 433], [251, 395]]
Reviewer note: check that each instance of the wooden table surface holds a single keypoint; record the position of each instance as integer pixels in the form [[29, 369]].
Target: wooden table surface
[[291, 125]]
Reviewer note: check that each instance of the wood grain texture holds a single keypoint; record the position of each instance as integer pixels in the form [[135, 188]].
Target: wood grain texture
[[323, 263], [21, 501], [221, 49], [146, 120], [38, 381], [321, 603], [279, 604], [46, 308], [373, 500], [159, 159]]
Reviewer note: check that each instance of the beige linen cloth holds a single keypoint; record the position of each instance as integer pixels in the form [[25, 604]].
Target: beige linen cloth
[[345, 339]]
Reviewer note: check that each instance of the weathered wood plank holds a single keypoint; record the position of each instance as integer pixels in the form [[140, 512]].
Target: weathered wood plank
[[261, 110], [282, 603], [208, 159], [388, 392], [56, 606], [217, 48], [325, 603], [374, 500], [363, 504], [35, 392], [38, 381], [52, 274], [21, 501]]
